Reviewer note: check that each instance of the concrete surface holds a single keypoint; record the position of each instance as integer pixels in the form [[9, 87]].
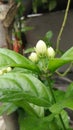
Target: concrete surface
[[2, 124]]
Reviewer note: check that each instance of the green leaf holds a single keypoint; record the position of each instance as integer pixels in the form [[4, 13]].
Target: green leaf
[[31, 109], [59, 95], [27, 28], [13, 59], [19, 86], [7, 108], [52, 4], [5, 60], [65, 118], [56, 108], [22, 70], [67, 101], [69, 91], [49, 35], [29, 50], [39, 110], [30, 123], [68, 54], [70, 129], [44, 1], [35, 5], [48, 38], [56, 63]]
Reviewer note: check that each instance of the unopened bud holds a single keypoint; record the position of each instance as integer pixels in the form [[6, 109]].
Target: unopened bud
[[33, 57], [1, 72], [9, 69], [41, 47], [50, 52]]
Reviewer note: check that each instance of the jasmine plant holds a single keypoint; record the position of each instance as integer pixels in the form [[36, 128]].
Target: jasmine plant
[[26, 86]]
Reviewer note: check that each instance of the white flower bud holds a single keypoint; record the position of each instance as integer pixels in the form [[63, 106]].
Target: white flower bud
[[50, 52], [1, 72], [9, 69], [4, 70], [33, 57], [41, 47]]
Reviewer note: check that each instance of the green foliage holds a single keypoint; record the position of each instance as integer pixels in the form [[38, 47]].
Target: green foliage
[[21, 8], [30, 123], [7, 107], [8, 58], [48, 38], [27, 88], [67, 101], [31, 89], [67, 57], [50, 4]]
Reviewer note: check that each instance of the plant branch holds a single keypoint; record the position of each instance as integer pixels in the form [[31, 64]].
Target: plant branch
[[65, 73], [63, 25], [62, 121], [60, 117]]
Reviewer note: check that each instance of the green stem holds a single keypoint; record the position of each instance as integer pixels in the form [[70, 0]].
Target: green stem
[[63, 25], [65, 73], [62, 121], [60, 117]]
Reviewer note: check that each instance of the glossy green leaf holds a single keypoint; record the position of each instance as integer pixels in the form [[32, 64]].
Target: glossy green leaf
[[66, 102], [5, 60], [19, 86], [22, 70], [7, 108], [68, 54], [13, 59], [65, 119], [59, 95], [30, 123], [56, 63], [38, 110], [31, 109]]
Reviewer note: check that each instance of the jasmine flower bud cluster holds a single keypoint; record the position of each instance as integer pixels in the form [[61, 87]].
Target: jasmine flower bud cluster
[[41, 50]]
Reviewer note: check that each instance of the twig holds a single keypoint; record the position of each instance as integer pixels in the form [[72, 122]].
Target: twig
[[66, 72], [60, 117], [62, 27]]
